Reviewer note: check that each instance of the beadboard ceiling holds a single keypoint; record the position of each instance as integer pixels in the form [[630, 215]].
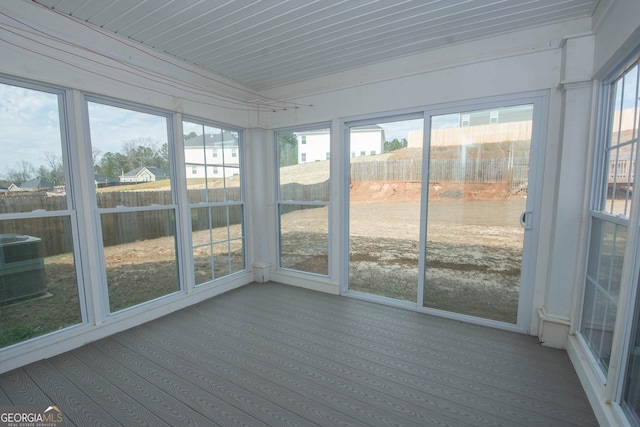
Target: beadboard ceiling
[[269, 43]]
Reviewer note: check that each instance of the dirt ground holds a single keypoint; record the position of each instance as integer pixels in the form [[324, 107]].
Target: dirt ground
[[473, 256]]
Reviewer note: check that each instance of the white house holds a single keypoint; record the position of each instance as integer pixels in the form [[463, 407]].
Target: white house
[[259, 69], [213, 155], [144, 174], [315, 145]]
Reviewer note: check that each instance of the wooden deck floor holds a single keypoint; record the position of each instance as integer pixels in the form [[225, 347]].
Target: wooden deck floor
[[269, 355]]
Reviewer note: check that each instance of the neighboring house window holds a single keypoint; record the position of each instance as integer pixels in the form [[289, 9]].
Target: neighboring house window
[[465, 120], [214, 151], [303, 139], [215, 170], [493, 117], [234, 152], [303, 157], [327, 156], [194, 170], [353, 154], [373, 152], [363, 153]]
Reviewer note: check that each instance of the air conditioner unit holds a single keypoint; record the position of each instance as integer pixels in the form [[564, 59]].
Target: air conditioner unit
[[21, 267]]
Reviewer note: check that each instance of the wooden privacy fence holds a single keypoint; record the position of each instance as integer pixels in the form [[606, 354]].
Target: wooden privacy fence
[[474, 170], [127, 227], [118, 228]]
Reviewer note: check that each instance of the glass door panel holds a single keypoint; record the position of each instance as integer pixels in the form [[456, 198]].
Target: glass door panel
[[384, 208], [477, 195]]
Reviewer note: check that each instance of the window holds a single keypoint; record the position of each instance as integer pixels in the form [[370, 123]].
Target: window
[[327, 155], [373, 152], [303, 139], [493, 117], [363, 153], [303, 203], [465, 120], [38, 220], [625, 129], [216, 201], [612, 208], [137, 220]]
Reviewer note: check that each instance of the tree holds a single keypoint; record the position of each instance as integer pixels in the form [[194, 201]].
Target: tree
[[24, 171], [135, 153], [395, 144], [288, 146], [113, 164], [53, 170]]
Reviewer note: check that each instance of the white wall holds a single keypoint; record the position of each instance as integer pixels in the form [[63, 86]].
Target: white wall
[[617, 26]]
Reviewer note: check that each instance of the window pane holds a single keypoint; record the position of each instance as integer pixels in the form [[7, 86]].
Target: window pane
[[32, 162], [384, 208], [304, 238], [478, 188], [131, 157], [38, 282], [212, 157], [604, 270], [623, 143], [304, 159], [140, 256], [304, 172], [218, 241]]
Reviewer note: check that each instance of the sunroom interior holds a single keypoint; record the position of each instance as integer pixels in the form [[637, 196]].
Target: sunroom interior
[[470, 160]]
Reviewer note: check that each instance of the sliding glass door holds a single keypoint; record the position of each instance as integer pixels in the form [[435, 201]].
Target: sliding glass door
[[384, 206], [441, 209], [477, 199]]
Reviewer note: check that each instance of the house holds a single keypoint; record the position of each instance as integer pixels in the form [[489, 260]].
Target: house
[[212, 155], [267, 68], [144, 174], [36, 184], [314, 144]]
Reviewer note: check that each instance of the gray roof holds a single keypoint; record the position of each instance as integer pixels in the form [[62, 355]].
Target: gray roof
[[36, 184], [155, 171]]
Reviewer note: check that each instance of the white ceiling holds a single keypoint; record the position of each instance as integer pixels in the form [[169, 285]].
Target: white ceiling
[[269, 43]]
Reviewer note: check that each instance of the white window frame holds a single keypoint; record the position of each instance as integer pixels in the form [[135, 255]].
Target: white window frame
[[612, 382], [74, 208], [280, 202], [226, 203]]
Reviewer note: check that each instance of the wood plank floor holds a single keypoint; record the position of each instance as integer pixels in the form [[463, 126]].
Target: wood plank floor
[[271, 355]]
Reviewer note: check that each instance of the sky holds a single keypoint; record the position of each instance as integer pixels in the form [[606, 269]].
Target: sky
[[30, 127], [30, 123]]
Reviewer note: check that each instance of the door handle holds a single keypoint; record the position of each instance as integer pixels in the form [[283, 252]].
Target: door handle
[[525, 221]]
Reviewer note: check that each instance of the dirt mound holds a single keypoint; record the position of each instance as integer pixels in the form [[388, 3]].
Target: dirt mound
[[401, 191]]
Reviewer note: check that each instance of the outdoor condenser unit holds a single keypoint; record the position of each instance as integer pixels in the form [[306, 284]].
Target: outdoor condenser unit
[[21, 267]]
